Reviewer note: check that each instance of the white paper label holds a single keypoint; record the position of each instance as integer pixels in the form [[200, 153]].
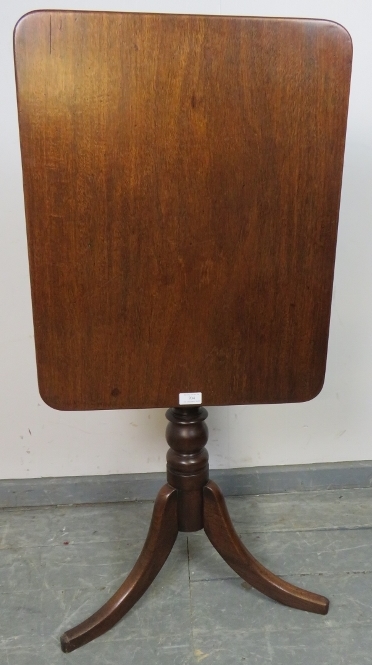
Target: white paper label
[[190, 398]]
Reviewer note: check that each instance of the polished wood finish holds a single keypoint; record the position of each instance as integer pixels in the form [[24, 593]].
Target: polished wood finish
[[182, 180], [187, 463], [221, 533], [192, 503], [158, 545]]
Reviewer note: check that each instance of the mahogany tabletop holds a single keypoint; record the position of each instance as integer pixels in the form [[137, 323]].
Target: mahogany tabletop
[[182, 179]]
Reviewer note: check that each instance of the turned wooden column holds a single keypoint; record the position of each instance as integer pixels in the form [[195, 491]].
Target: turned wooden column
[[187, 463]]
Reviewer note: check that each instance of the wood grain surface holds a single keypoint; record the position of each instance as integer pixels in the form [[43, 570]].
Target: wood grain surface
[[182, 179]]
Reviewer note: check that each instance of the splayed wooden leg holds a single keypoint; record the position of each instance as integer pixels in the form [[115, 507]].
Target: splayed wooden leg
[[160, 540], [221, 533], [188, 503]]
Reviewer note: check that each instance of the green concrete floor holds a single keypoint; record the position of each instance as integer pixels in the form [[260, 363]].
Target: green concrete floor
[[59, 564]]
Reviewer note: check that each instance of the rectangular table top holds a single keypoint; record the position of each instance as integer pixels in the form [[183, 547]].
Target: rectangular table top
[[182, 179]]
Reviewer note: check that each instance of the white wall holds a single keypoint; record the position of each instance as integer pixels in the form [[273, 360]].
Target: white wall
[[38, 441]]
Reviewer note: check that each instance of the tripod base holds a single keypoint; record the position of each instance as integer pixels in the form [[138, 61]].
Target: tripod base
[[188, 502]]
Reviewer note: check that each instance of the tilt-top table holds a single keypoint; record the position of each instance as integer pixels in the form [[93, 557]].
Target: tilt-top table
[[182, 179]]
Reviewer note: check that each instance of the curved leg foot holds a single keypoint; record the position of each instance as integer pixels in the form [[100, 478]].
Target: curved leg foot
[[160, 540], [221, 533]]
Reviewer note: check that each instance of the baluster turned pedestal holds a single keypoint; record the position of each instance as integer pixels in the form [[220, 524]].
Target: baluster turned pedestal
[[188, 502]]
